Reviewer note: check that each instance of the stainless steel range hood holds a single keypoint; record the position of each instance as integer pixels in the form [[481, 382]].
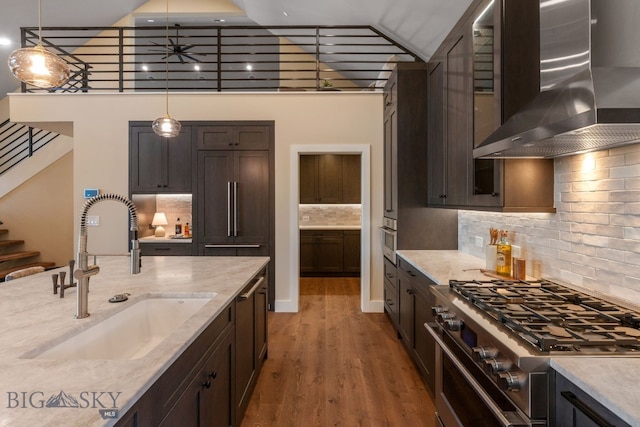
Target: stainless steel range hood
[[590, 83]]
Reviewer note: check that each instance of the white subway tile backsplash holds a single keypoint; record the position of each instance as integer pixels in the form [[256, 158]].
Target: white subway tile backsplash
[[594, 238]]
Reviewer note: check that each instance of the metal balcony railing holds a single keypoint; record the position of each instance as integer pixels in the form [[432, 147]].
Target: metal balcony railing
[[221, 58], [18, 142]]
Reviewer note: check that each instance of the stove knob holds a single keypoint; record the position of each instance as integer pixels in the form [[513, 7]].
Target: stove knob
[[438, 309], [453, 324], [482, 352], [441, 317], [508, 381], [497, 364]]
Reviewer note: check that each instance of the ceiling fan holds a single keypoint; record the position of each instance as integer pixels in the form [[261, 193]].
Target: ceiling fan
[[181, 51]]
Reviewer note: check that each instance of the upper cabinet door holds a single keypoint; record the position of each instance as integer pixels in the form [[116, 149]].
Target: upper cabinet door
[[157, 164], [233, 137]]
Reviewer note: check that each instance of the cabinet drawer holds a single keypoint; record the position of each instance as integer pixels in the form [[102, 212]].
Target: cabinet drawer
[[421, 281], [166, 249], [213, 249]]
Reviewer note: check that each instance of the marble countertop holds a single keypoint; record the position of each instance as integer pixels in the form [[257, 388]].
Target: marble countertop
[[33, 319], [329, 227], [611, 381], [441, 266]]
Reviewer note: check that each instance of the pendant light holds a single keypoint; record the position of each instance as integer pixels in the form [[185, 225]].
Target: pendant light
[[37, 66], [166, 126]]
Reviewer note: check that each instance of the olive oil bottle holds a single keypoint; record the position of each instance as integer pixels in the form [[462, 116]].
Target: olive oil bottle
[[503, 258]]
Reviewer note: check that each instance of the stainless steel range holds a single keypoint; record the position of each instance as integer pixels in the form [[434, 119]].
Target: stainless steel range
[[495, 339]]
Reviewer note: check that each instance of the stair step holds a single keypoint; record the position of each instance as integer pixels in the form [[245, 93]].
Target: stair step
[[18, 255], [11, 242], [44, 264], [3, 231]]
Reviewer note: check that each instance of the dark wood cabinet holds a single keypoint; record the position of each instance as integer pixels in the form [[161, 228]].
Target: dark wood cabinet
[[211, 382], [233, 197], [321, 251], [351, 251], [234, 200], [391, 291], [165, 249], [329, 252], [406, 175], [157, 164], [233, 136], [207, 398], [415, 301], [329, 178], [478, 78]]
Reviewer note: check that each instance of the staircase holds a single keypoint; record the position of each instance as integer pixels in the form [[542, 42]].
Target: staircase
[[12, 260]]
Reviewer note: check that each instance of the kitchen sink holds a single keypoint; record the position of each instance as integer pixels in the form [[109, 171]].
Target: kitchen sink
[[131, 333]]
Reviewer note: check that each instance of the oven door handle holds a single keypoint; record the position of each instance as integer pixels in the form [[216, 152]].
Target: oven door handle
[[514, 419]]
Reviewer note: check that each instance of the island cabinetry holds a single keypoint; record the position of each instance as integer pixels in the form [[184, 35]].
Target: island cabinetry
[[207, 399], [157, 164], [211, 382], [173, 393], [415, 302], [329, 178], [250, 340]]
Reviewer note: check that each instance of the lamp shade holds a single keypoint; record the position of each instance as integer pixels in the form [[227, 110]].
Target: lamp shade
[[166, 126], [39, 67], [159, 219]]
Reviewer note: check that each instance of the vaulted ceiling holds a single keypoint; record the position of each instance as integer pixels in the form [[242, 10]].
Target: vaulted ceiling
[[419, 25]]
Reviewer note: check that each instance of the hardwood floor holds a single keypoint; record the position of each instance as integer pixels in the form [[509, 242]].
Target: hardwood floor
[[332, 365]]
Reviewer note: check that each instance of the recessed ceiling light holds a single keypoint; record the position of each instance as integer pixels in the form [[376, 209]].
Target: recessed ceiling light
[[249, 67], [196, 67], [285, 13], [151, 20], [4, 41], [220, 20], [145, 68]]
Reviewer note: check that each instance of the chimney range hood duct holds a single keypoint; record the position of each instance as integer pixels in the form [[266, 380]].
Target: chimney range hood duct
[[590, 83]]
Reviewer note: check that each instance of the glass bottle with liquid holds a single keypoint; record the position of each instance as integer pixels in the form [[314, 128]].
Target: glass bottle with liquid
[[503, 258], [178, 227]]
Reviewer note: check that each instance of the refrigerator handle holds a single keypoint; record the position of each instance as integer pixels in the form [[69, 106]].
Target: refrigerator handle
[[235, 209], [229, 207]]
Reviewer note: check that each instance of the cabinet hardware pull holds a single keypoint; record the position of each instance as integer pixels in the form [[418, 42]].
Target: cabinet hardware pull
[[213, 375], [235, 208], [495, 194], [582, 407], [207, 384], [411, 291], [246, 295], [229, 208]]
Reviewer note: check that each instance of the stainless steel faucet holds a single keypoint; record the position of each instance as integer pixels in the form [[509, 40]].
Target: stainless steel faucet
[[84, 270]]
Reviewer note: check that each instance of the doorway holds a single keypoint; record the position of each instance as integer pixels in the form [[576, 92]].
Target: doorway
[[365, 235]]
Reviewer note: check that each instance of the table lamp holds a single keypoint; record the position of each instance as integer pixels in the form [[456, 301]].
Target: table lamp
[[159, 219]]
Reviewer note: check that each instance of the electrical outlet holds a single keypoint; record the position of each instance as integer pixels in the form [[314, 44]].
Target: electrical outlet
[[516, 251], [305, 218], [479, 241], [93, 221]]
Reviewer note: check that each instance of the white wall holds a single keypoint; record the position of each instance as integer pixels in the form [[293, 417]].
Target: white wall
[[593, 239], [100, 159]]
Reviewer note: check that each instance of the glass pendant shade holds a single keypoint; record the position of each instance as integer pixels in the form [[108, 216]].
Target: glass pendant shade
[[38, 67], [166, 126]]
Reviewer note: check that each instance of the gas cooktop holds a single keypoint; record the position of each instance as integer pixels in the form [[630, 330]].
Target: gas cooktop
[[555, 318]]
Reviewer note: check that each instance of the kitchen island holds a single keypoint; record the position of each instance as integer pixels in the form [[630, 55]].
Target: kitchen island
[[612, 381], [34, 320]]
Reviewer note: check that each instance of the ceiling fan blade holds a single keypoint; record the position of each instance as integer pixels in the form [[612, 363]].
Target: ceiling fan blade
[[191, 57]]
